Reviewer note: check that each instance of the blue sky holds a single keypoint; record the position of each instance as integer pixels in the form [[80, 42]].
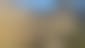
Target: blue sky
[[39, 5], [46, 5], [78, 4]]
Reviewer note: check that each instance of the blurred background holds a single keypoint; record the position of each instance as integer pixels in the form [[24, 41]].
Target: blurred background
[[42, 24]]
